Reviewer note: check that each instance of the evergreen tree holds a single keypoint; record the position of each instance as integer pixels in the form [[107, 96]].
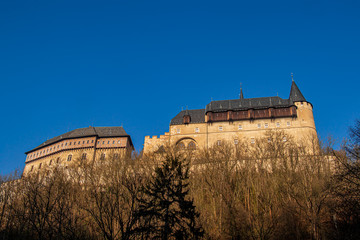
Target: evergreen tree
[[165, 210]]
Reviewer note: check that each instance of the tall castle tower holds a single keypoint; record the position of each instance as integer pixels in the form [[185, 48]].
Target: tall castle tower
[[238, 119]]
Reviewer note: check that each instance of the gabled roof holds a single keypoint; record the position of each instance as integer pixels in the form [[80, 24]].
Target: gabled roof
[[85, 132], [197, 116], [295, 93], [248, 103]]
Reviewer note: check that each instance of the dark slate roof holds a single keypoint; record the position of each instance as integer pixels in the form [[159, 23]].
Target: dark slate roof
[[248, 103], [196, 115], [85, 132], [295, 94]]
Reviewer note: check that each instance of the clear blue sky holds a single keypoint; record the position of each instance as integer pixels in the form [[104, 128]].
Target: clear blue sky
[[71, 64]]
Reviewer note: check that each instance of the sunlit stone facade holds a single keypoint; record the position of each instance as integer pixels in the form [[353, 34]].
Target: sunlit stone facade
[[83, 144]]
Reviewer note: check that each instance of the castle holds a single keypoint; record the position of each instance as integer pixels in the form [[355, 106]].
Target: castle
[[237, 119], [79, 144], [221, 121]]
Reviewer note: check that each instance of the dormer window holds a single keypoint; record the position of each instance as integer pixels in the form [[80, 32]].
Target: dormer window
[[186, 119]]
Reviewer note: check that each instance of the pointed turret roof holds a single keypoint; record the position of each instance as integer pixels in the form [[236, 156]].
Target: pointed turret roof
[[295, 93], [241, 94]]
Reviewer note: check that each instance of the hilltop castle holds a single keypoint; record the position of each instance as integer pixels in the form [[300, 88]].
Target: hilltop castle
[[232, 120]]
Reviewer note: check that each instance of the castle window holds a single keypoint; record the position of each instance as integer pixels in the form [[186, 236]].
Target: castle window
[[92, 141], [32, 168], [277, 124], [47, 150], [269, 140], [114, 142], [103, 142], [284, 139], [79, 143], [108, 142], [252, 140], [58, 146], [50, 162], [178, 130], [302, 103], [266, 125], [69, 158], [288, 124], [83, 156], [83, 142], [119, 141], [192, 146], [220, 128], [102, 156], [62, 145], [50, 149], [66, 144], [58, 160], [240, 127], [259, 125], [181, 146], [40, 165], [218, 142], [69, 143], [116, 156], [74, 143], [236, 142], [196, 129]]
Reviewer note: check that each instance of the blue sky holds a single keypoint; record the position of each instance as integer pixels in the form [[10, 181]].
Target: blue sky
[[72, 64]]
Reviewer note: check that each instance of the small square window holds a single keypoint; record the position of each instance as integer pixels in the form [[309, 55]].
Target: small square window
[[178, 130], [119, 141], [266, 125], [277, 124], [218, 142], [288, 124], [196, 129], [252, 140], [240, 127], [236, 142], [220, 128], [259, 125], [284, 139]]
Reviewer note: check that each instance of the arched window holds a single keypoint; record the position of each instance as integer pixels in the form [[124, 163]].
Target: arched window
[[181, 145], [192, 146], [69, 157], [83, 156]]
